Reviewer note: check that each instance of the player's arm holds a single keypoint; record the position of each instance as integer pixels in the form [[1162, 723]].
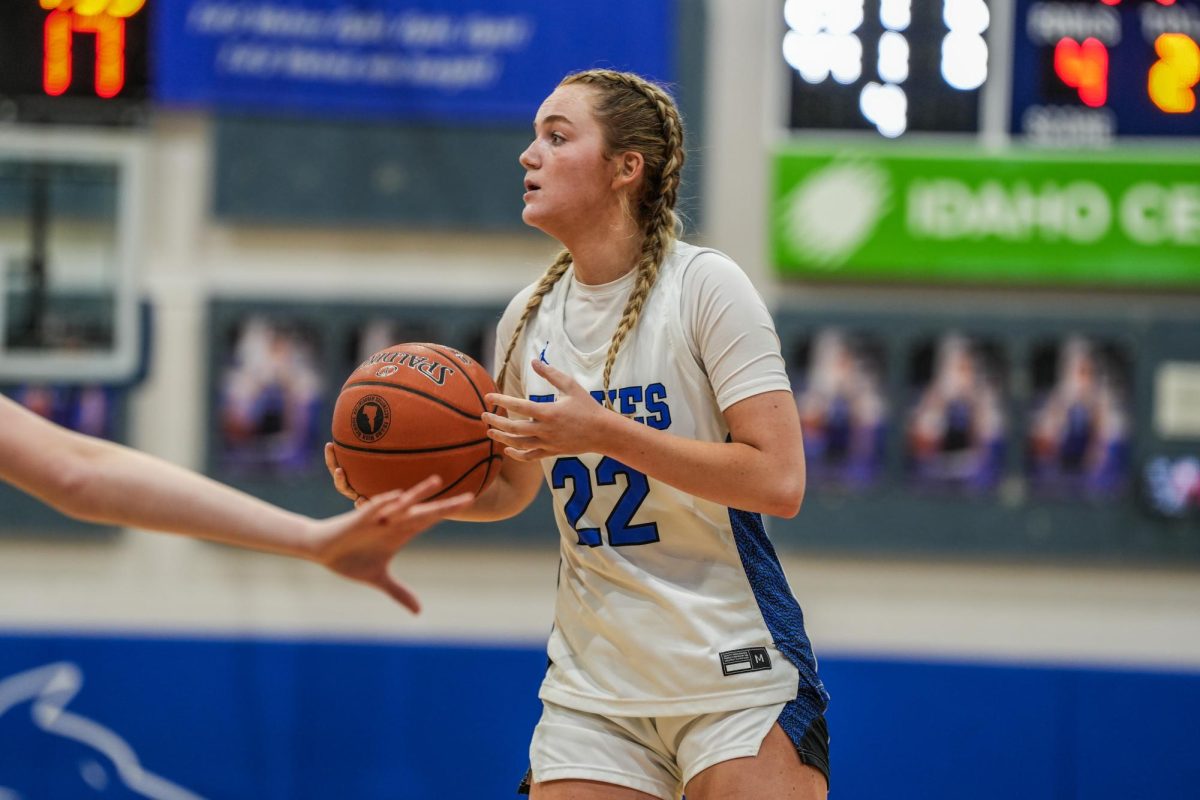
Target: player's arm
[[729, 331], [508, 495], [103, 482], [760, 469]]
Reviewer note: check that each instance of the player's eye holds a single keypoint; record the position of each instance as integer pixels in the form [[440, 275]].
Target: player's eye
[[557, 138]]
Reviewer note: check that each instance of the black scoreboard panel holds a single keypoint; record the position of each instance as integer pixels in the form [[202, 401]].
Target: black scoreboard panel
[[1090, 70], [61, 65], [1082, 72], [887, 65]]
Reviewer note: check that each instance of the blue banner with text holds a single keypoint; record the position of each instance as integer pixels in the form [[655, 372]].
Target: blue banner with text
[[438, 60]]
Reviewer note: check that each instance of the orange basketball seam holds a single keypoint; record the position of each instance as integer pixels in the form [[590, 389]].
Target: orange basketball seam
[[462, 477], [465, 373], [415, 450], [417, 392]]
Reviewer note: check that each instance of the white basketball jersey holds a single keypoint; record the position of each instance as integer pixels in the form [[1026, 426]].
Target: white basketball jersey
[[667, 604]]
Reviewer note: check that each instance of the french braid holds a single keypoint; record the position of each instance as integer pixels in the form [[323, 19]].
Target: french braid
[[637, 116]]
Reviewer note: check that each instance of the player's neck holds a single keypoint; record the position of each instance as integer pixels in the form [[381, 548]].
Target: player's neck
[[602, 255]]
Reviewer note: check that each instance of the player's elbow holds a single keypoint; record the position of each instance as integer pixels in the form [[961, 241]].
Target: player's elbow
[[76, 488], [67, 490], [789, 496]]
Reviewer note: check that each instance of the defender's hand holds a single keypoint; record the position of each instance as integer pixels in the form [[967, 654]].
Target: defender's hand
[[361, 543]]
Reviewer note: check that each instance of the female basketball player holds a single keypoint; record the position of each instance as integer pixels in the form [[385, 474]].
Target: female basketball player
[[678, 660], [103, 482]]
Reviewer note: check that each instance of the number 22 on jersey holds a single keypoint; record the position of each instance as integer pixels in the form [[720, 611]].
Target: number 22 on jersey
[[620, 532]]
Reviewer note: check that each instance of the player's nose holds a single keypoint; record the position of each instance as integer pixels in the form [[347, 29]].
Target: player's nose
[[528, 157]]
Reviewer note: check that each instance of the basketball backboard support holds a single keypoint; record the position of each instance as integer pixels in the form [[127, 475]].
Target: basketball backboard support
[[70, 244]]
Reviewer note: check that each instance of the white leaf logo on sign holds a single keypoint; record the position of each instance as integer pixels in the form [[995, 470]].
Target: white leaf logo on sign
[[833, 211]]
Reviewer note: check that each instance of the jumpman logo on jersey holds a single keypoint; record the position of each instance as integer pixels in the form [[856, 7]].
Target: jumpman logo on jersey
[[542, 355]]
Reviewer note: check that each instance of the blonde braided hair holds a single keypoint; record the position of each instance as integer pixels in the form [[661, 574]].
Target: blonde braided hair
[[549, 278], [637, 116]]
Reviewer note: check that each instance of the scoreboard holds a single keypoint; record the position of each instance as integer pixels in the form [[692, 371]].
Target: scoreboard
[[1055, 72], [1092, 70], [74, 61], [888, 65]]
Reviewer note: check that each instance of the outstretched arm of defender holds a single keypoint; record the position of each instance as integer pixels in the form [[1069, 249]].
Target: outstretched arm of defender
[[100, 481]]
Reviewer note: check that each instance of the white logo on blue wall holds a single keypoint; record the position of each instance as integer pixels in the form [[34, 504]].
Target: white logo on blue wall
[[829, 215], [110, 764]]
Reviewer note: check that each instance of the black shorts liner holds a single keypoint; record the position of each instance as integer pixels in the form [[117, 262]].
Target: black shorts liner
[[813, 746]]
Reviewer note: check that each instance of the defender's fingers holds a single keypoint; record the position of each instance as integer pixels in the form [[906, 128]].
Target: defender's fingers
[[380, 503], [423, 489], [436, 507], [434, 510], [398, 592]]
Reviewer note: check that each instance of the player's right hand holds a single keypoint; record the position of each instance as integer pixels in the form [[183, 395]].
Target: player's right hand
[[340, 481]]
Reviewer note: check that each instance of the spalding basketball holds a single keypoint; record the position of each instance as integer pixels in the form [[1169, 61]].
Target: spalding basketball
[[411, 411]]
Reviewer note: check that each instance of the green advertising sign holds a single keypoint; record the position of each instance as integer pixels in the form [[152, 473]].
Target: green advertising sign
[[975, 217]]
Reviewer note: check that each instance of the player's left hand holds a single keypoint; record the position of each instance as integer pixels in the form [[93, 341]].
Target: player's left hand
[[572, 424]]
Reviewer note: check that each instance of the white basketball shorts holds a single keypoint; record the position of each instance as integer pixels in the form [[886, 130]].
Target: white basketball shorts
[[655, 755]]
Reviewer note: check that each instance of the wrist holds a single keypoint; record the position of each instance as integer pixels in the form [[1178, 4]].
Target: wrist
[[303, 541], [610, 433]]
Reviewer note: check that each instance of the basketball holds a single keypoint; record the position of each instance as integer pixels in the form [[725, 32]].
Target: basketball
[[411, 411]]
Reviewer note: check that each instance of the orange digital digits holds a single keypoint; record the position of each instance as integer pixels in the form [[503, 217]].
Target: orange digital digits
[[1083, 67], [103, 18], [1174, 76]]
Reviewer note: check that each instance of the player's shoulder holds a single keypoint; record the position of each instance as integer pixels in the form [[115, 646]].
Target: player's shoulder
[[706, 265]]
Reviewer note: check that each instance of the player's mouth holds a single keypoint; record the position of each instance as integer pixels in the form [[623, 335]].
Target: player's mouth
[[531, 187]]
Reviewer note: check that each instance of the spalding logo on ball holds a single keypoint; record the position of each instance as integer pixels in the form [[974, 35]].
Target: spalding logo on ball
[[411, 411]]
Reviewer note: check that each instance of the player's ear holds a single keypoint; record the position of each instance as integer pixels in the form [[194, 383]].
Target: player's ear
[[629, 168]]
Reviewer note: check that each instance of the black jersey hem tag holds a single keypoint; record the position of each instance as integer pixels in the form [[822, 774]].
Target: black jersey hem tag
[[749, 659]]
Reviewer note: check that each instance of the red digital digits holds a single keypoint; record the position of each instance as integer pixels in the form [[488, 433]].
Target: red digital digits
[[103, 18], [1084, 67]]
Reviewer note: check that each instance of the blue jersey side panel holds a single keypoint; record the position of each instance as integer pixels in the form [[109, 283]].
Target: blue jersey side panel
[[782, 615]]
